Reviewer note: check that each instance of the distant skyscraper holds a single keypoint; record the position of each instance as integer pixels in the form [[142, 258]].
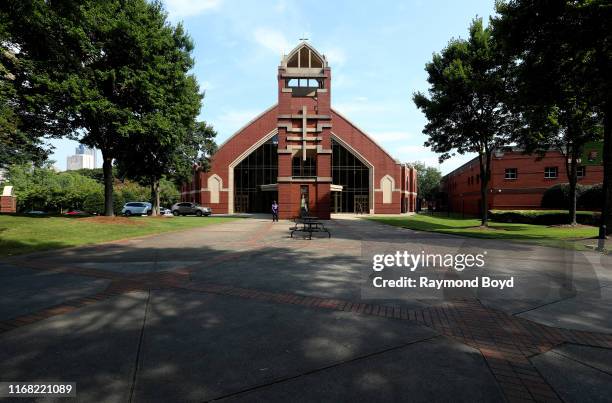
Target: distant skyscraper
[[84, 158]]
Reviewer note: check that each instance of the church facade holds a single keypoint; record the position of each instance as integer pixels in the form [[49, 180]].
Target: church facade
[[305, 155]]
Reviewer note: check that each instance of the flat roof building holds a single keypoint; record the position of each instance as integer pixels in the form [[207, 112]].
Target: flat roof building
[[84, 158], [518, 180]]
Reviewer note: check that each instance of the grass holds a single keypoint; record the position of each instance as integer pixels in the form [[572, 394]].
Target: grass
[[20, 235], [556, 236], [541, 212]]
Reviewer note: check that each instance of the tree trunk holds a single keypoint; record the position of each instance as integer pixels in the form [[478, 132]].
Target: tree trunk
[[571, 166], [107, 168], [606, 216], [485, 163], [155, 195]]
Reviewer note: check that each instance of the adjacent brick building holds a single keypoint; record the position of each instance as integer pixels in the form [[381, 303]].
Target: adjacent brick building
[[303, 153], [518, 181], [8, 202]]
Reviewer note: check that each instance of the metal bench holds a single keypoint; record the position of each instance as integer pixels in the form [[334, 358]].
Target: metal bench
[[308, 225]]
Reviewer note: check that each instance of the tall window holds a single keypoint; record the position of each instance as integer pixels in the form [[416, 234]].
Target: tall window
[[581, 171], [551, 172], [259, 168], [510, 173], [301, 168], [353, 175]]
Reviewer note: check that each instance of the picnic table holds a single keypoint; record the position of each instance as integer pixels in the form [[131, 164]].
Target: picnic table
[[308, 224]]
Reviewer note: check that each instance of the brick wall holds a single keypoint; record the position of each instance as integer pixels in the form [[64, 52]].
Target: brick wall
[[277, 118], [8, 204], [524, 192]]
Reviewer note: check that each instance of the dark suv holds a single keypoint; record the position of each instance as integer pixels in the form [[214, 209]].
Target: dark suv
[[186, 208]]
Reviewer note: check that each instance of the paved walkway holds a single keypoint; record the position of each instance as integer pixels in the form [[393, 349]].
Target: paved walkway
[[240, 312]]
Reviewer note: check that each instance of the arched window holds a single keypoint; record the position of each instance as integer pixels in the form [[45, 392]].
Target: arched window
[[305, 57], [214, 187], [386, 185]]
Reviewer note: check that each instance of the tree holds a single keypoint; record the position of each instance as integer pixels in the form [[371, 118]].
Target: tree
[[170, 110], [187, 148], [117, 61], [36, 48], [200, 148], [139, 59], [44, 188], [428, 180], [572, 38], [554, 110], [466, 108]]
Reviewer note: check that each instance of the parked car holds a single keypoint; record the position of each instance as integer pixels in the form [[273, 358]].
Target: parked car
[[165, 211], [186, 208], [137, 208], [35, 212], [76, 212]]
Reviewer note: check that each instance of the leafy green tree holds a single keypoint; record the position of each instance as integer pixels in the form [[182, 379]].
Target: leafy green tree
[[169, 111], [573, 41], [135, 84], [36, 44], [174, 159], [44, 188], [199, 149], [466, 108], [111, 70], [168, 192], [428, 180]]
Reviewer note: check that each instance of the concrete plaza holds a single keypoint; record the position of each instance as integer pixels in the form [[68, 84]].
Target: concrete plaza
[[241, 312]]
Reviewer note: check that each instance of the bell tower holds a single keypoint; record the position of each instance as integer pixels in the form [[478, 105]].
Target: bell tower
[[304, 133]]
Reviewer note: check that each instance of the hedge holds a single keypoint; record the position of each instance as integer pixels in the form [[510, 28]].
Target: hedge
[[543, 217], [591, 198], [557, 196], [587, 197]]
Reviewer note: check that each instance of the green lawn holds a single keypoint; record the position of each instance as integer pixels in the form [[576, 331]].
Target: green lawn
[[558, 236], [20, 235]]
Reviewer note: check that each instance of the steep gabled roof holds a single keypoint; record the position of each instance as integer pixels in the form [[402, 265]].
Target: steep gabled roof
[[304, 56]]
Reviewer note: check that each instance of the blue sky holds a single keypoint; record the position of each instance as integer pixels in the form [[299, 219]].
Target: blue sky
[[377, 52]]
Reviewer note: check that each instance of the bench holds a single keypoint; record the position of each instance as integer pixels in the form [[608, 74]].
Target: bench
[[309, 225]]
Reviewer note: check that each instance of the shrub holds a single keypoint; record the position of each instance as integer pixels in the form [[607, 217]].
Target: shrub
[[557, 196], [543, 217], [591, 198]]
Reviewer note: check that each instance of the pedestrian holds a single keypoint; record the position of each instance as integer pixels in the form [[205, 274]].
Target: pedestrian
[[274, 211]]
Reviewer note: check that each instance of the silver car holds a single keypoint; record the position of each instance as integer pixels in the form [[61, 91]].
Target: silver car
[[136, 208], [185, 208]]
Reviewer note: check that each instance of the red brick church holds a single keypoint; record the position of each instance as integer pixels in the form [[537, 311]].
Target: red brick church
[[304, 154]]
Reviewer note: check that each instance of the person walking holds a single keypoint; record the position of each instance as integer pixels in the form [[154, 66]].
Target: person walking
[[274, 211]]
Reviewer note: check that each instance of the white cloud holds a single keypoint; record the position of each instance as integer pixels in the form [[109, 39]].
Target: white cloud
[[272, 40], [189, 8]]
